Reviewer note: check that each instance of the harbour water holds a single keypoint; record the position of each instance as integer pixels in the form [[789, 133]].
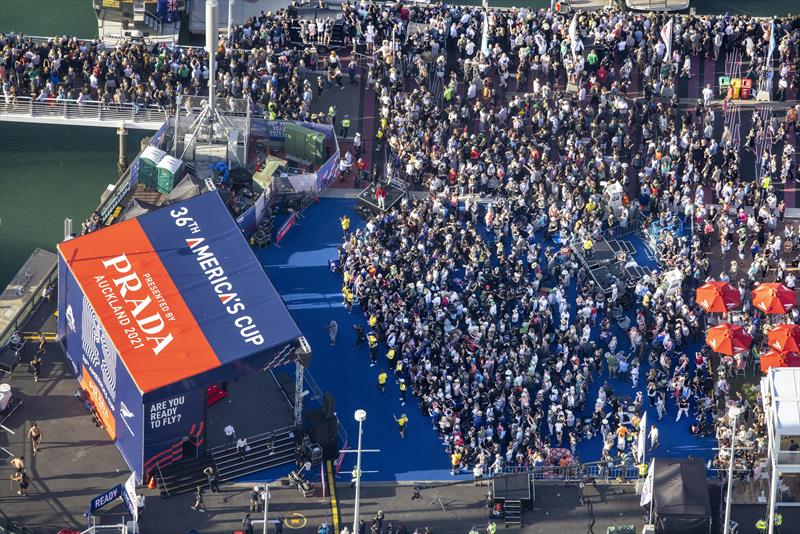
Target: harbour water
[[52, 172]]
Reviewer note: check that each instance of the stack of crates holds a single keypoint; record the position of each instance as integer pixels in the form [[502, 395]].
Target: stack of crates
[[169, 174], [148, 163]]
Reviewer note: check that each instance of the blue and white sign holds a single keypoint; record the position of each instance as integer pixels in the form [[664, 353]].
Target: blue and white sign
[[103, 499]]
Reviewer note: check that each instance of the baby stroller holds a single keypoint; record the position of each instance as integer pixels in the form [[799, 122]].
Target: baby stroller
[[17, 342], [11, 354]]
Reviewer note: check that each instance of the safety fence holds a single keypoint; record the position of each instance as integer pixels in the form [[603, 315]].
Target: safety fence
[[578, 472], [630, 227]]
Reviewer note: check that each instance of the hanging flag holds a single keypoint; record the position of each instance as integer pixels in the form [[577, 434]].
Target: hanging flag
[[573, 33], [129, 496], [642, 438], [771, 44], [647, 489], [666, 36], [485, 36]]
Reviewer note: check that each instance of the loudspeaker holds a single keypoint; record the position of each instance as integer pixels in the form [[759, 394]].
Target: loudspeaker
[[328, 406], [304, 352], [322, 430]]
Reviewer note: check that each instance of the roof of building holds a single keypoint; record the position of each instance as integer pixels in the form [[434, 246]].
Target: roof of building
[[784, 390]]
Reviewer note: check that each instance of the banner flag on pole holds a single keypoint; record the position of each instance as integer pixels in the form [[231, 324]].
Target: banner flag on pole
[[485, 36], [771, 44], [642, 438], [666, 36], [573, 33], [647, 489]]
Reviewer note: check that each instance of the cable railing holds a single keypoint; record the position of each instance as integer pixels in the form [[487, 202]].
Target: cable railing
[[81, 110]]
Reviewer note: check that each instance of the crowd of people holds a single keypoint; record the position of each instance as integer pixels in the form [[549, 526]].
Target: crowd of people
[[473, 294]]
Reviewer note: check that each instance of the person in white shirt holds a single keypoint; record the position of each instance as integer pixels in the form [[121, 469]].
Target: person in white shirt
[[653, 435], [708, 93]]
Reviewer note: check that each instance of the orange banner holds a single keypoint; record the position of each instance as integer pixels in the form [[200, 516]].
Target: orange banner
[[139, 306], [103, 411]]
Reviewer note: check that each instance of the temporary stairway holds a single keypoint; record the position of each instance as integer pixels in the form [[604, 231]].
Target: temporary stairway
[[268, 450], [261, 456], [184, 476], [513, 511]]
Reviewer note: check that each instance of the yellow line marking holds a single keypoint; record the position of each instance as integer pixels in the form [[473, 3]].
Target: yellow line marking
[[332, 487], [47, 336]]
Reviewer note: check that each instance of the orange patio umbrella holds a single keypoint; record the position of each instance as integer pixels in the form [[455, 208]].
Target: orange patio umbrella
[[728, 339], [717, 297], [784, 338], [774, 298], [774, 358]]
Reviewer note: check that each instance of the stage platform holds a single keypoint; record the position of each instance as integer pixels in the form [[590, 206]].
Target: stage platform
[[513, 487], [255, 404], [394, 194]]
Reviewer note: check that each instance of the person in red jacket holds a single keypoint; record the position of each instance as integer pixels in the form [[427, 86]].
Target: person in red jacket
[[380, 196]]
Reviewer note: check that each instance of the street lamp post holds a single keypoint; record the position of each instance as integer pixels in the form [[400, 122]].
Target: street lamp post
[[265, 498], [734, 412], [360, 416], [230, 20]]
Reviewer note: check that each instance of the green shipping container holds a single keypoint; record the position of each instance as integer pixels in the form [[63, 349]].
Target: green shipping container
[[304, 144]]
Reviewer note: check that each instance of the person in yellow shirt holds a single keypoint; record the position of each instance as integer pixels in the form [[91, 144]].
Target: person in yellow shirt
[[372, 340], [401, 421], [402, 392], [455, 462], [382, 381], [588, 247], [347, 297], [390, 356], [345, 220]]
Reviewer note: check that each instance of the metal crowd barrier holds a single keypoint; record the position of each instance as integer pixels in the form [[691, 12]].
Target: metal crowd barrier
[[577, 472]]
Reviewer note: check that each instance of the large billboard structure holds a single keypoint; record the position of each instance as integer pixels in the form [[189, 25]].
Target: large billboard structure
[[155, 309]]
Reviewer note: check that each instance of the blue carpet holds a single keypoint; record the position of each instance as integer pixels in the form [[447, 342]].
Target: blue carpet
[[299, 270]]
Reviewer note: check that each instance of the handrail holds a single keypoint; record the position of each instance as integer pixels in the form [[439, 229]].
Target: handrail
[[275, 433], [161, 478], [153, 20], [87, 109]]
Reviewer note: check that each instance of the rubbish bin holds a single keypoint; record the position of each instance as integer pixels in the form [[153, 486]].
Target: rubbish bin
[[736, 85], [747, 88], [724, 83]]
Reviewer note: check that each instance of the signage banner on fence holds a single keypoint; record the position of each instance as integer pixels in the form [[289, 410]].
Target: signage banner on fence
[[286, 226], [327, 171]]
